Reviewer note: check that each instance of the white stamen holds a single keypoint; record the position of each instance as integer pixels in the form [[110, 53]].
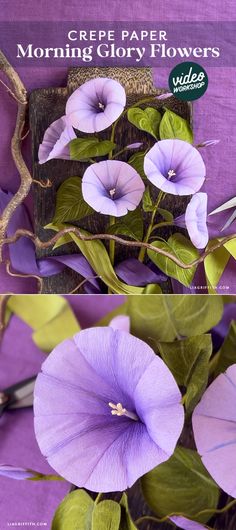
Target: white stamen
[[101, 106], [171, 173], [118, 410], [112, 192]]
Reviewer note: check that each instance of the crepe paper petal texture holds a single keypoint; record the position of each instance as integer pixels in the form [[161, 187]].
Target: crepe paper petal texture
[[186, 524], [136, 145], [112, 187], [95, 105], [175, 167], [133, 272], [17, 473], [116, 411], [214, 425], [22, 253], [56, 141], [195, 220], [121, 322]]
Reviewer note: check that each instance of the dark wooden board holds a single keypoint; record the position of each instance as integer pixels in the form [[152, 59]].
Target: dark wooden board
[[47, 105]]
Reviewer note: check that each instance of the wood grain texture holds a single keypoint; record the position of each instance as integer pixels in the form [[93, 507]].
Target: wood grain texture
[[47, 105]]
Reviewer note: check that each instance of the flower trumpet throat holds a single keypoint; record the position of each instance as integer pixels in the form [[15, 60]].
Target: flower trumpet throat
[[118, 410]]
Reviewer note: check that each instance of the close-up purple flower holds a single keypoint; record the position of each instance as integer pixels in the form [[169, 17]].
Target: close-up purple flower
[[195, 220], [112, 187], [116, 406], [95, 105], [175, 167], [214, 425], [56, 141]]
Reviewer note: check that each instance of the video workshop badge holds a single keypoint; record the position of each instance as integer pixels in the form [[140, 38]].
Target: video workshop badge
[[188, 81]]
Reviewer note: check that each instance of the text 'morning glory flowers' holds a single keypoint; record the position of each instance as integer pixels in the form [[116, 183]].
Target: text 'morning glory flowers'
[[175, 167], [214, 425], [116, 410], [95, 105]]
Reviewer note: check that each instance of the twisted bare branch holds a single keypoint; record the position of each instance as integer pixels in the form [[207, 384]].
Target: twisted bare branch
[[111, 237]]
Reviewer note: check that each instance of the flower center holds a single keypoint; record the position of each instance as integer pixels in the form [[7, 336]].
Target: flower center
[[171, 173], [101, 106], [112, 192], [118, 410]]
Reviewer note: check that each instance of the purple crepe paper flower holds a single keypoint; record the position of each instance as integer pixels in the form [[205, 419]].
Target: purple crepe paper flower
[[56, 141], [116, 410], [175, 167], [195, 220], [18, 473], [95, 105], [186, 524], [112, 187], [214, 425]]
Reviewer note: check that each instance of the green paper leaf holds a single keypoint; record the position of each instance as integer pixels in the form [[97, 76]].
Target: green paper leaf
[[231, 247], [227, 353], [84, 148], [173, 126], [182, 484], [70, 204], [181, 248], [97, 255], [137, 161], [126, 521], [167, 317], [147, 201], [130, 225], [106, 516], [147, 120], [50, 316], [188, 360], [74, 512], [167, 216]]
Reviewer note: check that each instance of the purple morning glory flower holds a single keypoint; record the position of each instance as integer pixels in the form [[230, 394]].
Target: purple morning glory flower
[[116, 410], [214, 425], [18, 473], [186, 524], [195, 220], [56, 141], [112, 187], [175, 167], [95, 105]]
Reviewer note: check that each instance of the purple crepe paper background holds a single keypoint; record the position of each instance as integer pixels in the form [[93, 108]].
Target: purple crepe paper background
[[20, 358], [214, 114]]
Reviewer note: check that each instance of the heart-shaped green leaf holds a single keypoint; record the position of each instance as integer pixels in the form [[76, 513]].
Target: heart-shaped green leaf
[[70, 204], [227, 353], [147, 201], [106, 516], [74, 512], [147, 120], [137, 161], [130, 225], [173, 126], [180, 247], [84, 148], [180, 485]]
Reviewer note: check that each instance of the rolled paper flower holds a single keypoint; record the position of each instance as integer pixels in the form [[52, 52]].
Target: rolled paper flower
[[95, 105], [17, 473], [195, 220], [116, 410], [186, 524], [214, 425], [175, 167], [112, 187], [56, 141]]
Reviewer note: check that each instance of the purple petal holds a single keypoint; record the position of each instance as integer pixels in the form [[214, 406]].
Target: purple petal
[[76, 430], [56, 141], [195, 219], [175, 167], [133, 272], [95, 105], [186, 524], [214, 425], [166, 95], [112, 187], [121, 322], [17, 473]]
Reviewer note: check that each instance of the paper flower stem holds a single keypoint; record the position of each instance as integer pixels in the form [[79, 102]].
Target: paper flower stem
[[142, 252], [112, 242]]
